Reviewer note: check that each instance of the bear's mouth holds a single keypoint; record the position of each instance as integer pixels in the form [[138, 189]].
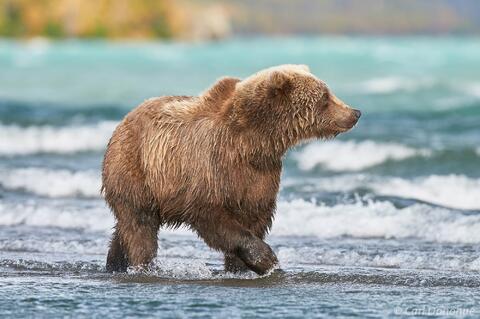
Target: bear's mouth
[[344, 128], [348, 123]]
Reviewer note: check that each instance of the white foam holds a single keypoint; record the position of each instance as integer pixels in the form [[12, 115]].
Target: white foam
[[473, 89], [375, 219], [48, 139], [52, 183], [353, 156], [179, 269], [56, 214], [385, 85], [192, 268], [454, 191], [298, 218], [58, 244], [95, 216]]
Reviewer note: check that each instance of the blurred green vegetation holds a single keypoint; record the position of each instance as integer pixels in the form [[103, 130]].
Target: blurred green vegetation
[[214, 19], [88, 18]]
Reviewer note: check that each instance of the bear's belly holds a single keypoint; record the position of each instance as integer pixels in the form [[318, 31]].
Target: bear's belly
[[247, 196]]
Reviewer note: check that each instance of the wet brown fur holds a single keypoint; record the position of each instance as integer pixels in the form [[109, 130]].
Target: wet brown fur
[[213, 163]]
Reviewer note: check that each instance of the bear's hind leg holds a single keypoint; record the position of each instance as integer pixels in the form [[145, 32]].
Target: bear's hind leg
[[139, 236], [116, 258], [134, 242]]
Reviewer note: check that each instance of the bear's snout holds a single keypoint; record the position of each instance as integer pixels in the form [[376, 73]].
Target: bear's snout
[[346, 117], [349, 121], [358, 113]]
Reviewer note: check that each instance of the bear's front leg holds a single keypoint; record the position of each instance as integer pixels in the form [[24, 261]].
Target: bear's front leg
[[257, 255], [229, 236], [234, 264]]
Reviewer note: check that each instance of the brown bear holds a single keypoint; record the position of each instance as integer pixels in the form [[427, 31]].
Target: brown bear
[[213, 163]]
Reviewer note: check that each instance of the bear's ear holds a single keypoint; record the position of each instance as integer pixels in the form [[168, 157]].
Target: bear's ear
[[222, 89], [304, 67], [279, 83]]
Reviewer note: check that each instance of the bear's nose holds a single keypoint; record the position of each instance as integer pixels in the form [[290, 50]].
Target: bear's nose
[[357, 113]]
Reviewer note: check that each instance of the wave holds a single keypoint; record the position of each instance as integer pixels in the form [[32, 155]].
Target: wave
[[379, 257], [398, 84], [52, 183], [386, 85], [94, 217], [186, 256], [361, 219], [18, 140], [377, 219], [176, 252], [455, 191], [26, 113], [60, 244], [353, 156], [473, 89]]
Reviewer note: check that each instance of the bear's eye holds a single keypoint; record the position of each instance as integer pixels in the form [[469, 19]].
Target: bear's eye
[[324, 99]]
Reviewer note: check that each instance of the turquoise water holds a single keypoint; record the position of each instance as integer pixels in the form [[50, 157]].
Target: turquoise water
[[383, 221]]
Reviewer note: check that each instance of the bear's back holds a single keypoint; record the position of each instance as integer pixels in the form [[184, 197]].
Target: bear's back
[[141, 145], [166, 145]]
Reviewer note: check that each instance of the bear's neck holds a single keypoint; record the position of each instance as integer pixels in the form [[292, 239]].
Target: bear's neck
[[241, 142], [255, 150]]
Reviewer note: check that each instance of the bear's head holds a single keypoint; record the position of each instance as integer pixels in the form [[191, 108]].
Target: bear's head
[[288, 103]]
